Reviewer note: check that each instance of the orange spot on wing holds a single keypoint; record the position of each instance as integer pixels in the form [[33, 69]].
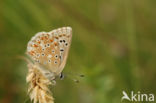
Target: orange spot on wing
[[56, 37], [35, 45], [46, 37], [42, 38], [55, 44], [31, 52], [51, 40], [39, 42]]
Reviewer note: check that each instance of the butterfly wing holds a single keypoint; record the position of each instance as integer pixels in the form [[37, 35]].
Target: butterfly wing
[[65, 42], [50, 49]]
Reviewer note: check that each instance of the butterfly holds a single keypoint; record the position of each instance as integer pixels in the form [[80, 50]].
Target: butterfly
[[49, 50]]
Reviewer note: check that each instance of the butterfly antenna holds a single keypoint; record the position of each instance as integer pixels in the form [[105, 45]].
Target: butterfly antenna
[[81, 75], [75, 74], [76, 81], [71, 75]]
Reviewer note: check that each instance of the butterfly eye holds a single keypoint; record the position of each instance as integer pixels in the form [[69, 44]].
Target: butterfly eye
[[61, 76]]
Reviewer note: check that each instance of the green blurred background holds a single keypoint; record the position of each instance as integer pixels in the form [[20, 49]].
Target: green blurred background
[[113, 45]]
